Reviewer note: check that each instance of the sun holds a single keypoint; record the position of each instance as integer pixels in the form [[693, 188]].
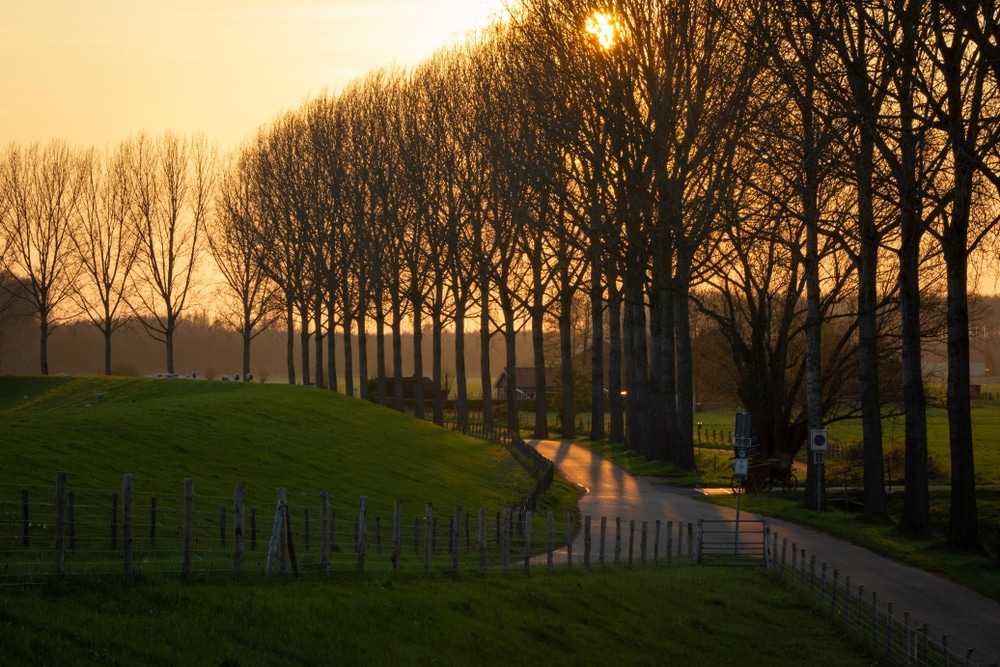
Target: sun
[[604, 28]]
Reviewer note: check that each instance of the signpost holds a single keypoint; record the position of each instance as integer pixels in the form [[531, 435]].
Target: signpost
[[819, 444], [741, 443]]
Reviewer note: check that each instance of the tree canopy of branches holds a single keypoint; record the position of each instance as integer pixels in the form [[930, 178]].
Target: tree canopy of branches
[[801, 183]]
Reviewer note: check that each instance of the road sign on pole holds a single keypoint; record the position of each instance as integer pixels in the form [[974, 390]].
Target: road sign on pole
[[818, 441], [740, 467]]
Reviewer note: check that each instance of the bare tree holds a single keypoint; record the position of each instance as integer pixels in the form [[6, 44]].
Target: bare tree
[[172, 180], [106, 242], [965, 105], [40, 186], [233, 240]]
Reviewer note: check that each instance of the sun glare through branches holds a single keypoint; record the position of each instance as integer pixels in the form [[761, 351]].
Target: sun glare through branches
[[604, 28]]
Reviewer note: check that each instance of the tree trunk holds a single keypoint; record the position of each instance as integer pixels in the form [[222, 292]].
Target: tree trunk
[[348, 357], [43, 349], [916, 495], [331, 347], [871, 408], [538, 349], [462, 390], [510, 345], [418, 358], [397, 350], [380, 352], [615, 402], [684, 445], [437, 352], [597, 384], [107, 348], [168, 338], [363, 372], [815, 486], [568, 406], [318, 341], [247, 339], [484, 351], [304, 344], [290, 338]]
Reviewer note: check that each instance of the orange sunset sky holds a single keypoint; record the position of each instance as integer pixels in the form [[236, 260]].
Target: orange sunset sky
[[93, 72]]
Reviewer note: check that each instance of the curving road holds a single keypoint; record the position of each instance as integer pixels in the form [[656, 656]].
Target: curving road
[[969, 619]]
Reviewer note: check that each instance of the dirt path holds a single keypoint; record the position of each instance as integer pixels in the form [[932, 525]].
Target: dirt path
[[969, 619]]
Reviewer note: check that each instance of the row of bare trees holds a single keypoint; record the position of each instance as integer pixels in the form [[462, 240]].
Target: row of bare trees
[[106, 236], [803, 182]]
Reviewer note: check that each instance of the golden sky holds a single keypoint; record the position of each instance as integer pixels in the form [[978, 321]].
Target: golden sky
[[94, 72]]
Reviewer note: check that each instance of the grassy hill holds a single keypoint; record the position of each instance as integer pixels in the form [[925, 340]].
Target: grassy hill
[[265, 436], [260, 435]]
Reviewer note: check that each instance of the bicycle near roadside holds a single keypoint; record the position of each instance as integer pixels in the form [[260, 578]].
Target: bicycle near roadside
[[763, 476]]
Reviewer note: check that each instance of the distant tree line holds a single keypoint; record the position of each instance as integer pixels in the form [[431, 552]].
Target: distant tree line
[[806, 182]]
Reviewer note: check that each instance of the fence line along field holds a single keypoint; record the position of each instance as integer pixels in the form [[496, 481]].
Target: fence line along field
[[63, 532], [162, 432]]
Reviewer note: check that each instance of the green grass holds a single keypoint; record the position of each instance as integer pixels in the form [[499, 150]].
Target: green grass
[[223, 434], [985, 436], [680, 615], [261, 435], [264, 436]]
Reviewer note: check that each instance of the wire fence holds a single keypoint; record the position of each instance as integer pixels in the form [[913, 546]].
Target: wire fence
[[900, 639], [63, 531]]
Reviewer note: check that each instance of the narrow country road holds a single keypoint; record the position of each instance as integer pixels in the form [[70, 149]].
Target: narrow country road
[[970, 620]]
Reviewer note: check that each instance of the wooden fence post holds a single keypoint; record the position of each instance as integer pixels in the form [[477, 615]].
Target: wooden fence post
[[618, 540], [128, 487], [552, 540], [253, 529], [26, 523], [324, 533], [283, 531], [239, 519], [527, 541], [482, 540], [397, 533], [631, 541], [152, 520], [362, 533], [188, 525], [569, 539], [289, 542], [455, 537], [222, 526], [60, 544], [114, 521], [428, 522], [305, 528], [506, 540], [586, 541], [656, 543], [71, 520], [642, 543], [670, 543], [273, 544]]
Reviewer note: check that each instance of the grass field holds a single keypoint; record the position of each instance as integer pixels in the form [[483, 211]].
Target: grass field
[[683, 615], [265, 436]]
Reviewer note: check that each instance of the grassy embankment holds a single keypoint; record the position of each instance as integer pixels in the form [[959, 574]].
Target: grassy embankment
[[264, 436]]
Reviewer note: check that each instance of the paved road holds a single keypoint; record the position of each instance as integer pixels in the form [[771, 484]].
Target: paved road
[[969, 619]]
